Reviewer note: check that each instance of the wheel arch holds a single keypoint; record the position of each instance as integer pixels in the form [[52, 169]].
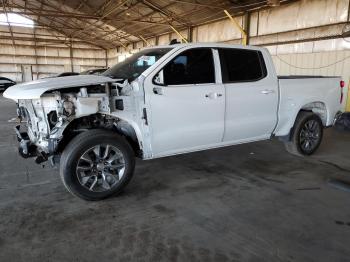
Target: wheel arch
[[317, 107], [127, 129]]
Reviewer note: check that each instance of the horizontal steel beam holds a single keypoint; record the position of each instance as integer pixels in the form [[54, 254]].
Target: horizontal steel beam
[[53, 57], [49, 13], [42, 40], [52, 45]]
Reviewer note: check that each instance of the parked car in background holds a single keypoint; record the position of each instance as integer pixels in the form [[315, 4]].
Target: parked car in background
[[5, 83], [165, 101], [66, 74], [97, 71], [62, 75]]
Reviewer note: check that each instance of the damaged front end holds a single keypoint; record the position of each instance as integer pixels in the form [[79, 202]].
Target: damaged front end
[[26, 147], [43, 120], [32, 142]]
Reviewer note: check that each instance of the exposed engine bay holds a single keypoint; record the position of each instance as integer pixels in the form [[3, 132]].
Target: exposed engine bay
[[60, 114]]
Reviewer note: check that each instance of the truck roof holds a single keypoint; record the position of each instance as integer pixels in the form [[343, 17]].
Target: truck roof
[[219, 45]]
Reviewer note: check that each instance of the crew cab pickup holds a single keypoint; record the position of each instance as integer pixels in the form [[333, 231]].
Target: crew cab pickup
[[164, 101]]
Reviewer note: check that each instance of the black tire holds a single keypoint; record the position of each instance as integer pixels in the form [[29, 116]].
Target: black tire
[[296, 145], [82, 143]]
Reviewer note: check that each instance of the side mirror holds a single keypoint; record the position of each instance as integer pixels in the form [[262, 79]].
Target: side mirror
[[159, 78]]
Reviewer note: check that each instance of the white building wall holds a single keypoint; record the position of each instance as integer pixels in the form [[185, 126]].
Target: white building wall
[[45, 58], [326, 58], [299, 15]]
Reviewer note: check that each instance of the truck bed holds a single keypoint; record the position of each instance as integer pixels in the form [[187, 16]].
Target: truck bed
[[304, 76], [303, 92]]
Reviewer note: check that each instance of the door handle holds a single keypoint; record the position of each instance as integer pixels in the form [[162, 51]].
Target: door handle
[[158, 90], [213, 95], [267, 91]]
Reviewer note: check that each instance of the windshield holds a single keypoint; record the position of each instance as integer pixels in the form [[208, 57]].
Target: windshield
[[135, 65]]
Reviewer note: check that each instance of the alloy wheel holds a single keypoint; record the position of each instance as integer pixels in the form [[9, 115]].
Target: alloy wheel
[[100, 168], [310, 135]]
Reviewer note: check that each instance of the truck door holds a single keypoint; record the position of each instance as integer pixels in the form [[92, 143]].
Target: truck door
[[187, 104], [251, 95]]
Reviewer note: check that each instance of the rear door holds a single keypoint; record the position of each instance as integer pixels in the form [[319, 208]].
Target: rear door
[[187, 108], [251, 95]]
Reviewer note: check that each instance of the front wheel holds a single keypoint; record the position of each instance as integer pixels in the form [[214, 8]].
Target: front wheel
[[306, 135], [97, 164]]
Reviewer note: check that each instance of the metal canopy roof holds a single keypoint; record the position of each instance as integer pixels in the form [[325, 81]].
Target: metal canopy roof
[[112, 23]]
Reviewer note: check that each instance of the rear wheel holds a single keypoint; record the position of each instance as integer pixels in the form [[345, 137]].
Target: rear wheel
[[306, 135], [97, 164]]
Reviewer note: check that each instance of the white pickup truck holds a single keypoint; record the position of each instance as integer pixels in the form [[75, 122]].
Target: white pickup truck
[[164, 101]]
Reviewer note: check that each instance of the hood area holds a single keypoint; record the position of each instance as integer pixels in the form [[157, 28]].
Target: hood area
[[34, 89]]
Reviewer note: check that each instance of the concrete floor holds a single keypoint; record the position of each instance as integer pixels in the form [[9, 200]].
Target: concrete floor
[[252, 202]]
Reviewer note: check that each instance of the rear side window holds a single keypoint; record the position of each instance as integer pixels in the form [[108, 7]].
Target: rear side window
[[194, 66], [241, 65]]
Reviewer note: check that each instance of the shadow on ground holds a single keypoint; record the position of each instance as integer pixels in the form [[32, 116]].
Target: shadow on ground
[[251, 202]]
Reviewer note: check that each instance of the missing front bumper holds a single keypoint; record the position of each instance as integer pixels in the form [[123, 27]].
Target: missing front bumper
[[26, 148]]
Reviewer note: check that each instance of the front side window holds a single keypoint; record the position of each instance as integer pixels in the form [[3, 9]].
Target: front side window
[[194, 66], [241, 65]]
